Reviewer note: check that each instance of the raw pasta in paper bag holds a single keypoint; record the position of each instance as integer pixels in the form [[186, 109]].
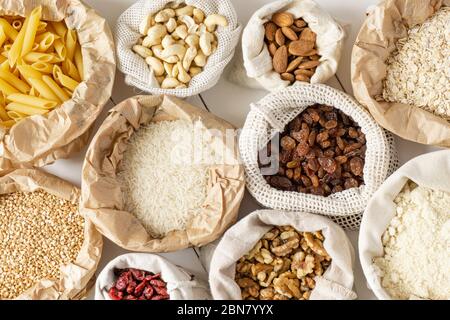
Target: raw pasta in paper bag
[[430, 170], [257, 59], [337, 281], [40, 139], [385, 25], [102, 197], [77, 277], [181, 285]]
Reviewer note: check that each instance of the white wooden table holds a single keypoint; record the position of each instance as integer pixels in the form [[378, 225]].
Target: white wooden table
[[231, 102]]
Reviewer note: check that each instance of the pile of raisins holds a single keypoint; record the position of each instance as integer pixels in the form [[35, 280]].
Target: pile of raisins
[[322, 151]]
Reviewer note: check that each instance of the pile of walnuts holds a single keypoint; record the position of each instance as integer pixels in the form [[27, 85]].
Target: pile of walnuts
[[282, 265]]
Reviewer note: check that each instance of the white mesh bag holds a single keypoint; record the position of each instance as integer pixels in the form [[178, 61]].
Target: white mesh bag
[[257, 59], [270, 115], [137, 72]]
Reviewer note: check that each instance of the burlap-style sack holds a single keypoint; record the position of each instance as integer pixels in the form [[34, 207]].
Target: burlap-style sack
[[335, 284], [430, 170], [77, 277], [102, 198], [39, 140], [257, 60], [385, 25], [271, 114], [137, 72], [181, 285]]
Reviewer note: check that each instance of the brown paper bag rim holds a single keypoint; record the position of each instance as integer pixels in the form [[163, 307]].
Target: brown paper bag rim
[[102, 197], [407, 121], [77, 274], [51, 140]]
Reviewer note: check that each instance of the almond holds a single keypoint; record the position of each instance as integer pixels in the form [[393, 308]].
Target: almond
[[300, 48], [289, 33], [300, 23], [296, 29], [280, 59], [315, 57], [271, 28], [272, 48], [309, 64], [305, 72], [279, 38], [310, 53], [283, 19], [302, 77], [308, 35], [287, 77], [294, 64]]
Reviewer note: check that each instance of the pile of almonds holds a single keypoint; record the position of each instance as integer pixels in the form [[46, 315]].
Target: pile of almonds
[[177, 42], [322, 151], [292, 46], [282, 265]]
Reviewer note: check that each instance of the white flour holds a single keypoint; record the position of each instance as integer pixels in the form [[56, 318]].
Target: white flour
[[416, 261]]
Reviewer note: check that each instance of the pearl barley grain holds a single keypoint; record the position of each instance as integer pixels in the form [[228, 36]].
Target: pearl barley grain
[[39, 233]]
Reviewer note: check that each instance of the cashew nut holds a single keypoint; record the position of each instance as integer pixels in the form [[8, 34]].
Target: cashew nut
[[187, 10], [206, 40], [191, 53], [160, 79], [190, 24], [192, 40], [168, 68], [171, 59], [167, 41], [142, 51], [171, 25], [164, 15], [157, 51], [198, 15], [183, 76], [181, 32], [175, 71], [174, 4], [193, 71], [154, 35], [214, 20], [156, 65], [177, 50], [182, 42], [200, 59], [145, 24], [170, 83]]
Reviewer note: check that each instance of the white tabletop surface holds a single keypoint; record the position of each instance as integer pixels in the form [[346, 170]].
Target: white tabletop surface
[[231, 102]]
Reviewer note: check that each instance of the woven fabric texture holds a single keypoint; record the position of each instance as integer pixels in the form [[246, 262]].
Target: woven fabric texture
[[137, 72], [270, 115]]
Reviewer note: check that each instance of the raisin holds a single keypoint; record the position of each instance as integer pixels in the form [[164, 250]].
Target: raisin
[[350, 183], [293, 164], [330, 124], [313, 164], [287, 143], [280, 182], [302, 149], [356, 166], [312, 137], [315, 181], [306, 181], [289, 173], [328, 164]]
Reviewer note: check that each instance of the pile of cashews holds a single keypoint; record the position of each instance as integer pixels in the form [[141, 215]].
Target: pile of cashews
[[177, 42]]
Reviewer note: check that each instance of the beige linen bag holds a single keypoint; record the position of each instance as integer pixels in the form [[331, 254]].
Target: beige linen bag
[[77, 277], [102, 198], [39, 140], [337, 281], [430, 170], [257, 60], [386, 24], [137, 72], [181, 285]]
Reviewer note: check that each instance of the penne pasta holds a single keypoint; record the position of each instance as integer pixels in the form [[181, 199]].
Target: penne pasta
[[3, 59], [42, 67], [57, 90], [59, 27], [16, 116], [25, 109], [17, 25], [60, 49], [41, 57], [30, 30], [45, 42], [6, 88], [42, 27], [10, 78], [8, 123], [71, 42], [2, 36], [16, 48], [3, 115], [28, 72], [67, 82], [32, 101], [78, 59], [10, 32], [71, 70], [44, 90]]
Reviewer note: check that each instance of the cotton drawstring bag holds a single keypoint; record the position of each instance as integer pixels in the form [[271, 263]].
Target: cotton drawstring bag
[[181, 285], [41, 139], [271, 114], [257, 59], [337, 281], [430, 170], [137, 72]]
